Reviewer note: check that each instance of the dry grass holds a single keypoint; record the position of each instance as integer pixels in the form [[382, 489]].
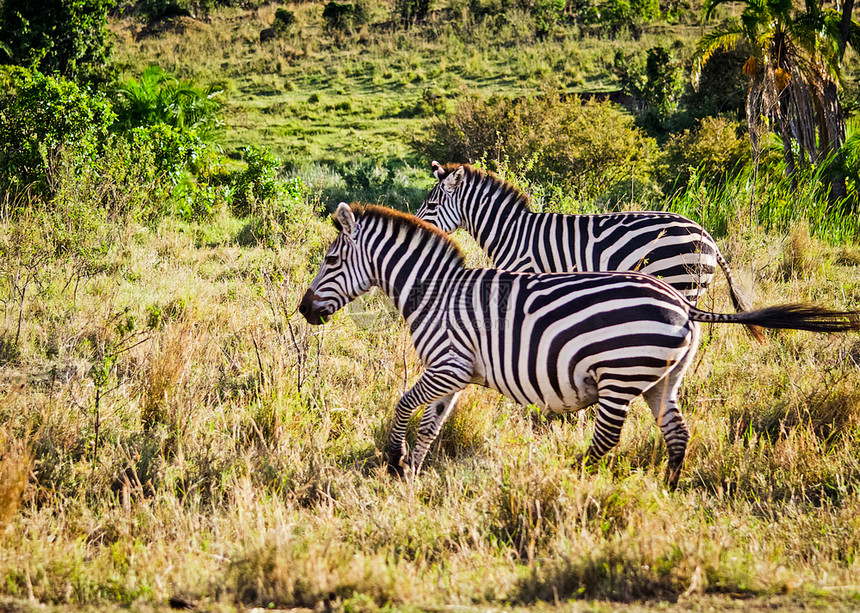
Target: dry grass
[[232, 457]]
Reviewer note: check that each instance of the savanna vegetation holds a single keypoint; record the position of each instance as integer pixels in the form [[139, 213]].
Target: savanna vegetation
[[172, 433]]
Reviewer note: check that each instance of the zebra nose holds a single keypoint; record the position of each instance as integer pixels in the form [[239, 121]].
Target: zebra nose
[[307, 309], [306, 304]]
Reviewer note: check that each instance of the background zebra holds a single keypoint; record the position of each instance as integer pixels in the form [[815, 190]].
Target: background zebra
[[496, 214], [562, 341]]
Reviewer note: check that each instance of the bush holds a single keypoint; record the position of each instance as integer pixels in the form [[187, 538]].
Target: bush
[[160, 98], [618, 14], [69, 39], [344, 16], [39, 117], [547, 13], [283, 20], [588, 148], [713, 148], [258, 184], [657, 83]]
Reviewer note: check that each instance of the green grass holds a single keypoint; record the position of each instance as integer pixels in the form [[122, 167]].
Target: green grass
[[368, 85]]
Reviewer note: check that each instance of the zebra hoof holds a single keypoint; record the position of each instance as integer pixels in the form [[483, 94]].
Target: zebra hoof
[[673, 474], [395, 469]]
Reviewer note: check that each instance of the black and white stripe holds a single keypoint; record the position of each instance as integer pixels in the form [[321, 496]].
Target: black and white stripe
[[495, 213], [560, 341]]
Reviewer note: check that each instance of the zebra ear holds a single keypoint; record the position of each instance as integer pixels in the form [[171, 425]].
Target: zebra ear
[[453, 180], [343, 215], [438, 171]]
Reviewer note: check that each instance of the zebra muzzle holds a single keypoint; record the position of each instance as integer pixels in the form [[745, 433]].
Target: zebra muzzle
[[311, 307]]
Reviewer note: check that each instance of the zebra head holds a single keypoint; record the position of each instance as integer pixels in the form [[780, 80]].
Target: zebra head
[[441, 207], [344, 274]]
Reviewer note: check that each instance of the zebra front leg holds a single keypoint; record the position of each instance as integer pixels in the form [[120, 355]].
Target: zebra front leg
[[431, 423], [430, 387]]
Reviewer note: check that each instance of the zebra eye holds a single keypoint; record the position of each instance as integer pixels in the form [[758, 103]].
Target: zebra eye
[[331, 260], [431, 204]]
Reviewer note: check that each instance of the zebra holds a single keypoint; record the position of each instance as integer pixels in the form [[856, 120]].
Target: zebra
[[496, 214], [560, 341]]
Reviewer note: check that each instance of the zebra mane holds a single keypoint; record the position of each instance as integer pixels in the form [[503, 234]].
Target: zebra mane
[[503, 187], [399, 220]]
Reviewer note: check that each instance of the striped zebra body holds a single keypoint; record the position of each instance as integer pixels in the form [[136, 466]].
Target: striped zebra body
[[495, 213], [560, 341]]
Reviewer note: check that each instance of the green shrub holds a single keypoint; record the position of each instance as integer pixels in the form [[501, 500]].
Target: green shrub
[[160, 98], [286, 216], [618, 14], [258, 184], [284, 19], [713, 149], [174, 150], [344, 16], [39, 117], [657, 83], [582, 12], [588, 148], [547, 13], [59, 37]]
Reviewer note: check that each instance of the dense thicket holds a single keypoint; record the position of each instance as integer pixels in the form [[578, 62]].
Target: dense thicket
[[68, 38]]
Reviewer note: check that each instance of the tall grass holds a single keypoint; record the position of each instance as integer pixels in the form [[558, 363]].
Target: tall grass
[[172, 429], [766, 200]]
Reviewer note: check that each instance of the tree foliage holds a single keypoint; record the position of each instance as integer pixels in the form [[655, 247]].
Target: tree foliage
[[587, 147], [39, 117], [63, 37], [793, 73], [160, 98]]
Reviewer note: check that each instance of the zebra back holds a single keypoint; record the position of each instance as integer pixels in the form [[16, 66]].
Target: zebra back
[[497, 215]]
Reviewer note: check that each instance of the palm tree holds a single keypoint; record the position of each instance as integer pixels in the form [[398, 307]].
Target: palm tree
[[793, 73], [158, 97]]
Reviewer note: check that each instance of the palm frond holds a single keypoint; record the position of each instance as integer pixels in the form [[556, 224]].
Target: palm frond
[[722, 38]]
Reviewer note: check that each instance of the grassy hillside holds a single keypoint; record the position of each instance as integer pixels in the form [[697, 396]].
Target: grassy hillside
[[313, 97]]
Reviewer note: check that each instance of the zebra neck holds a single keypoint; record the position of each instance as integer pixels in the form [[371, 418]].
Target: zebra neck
[[417, 275], [495, 221]]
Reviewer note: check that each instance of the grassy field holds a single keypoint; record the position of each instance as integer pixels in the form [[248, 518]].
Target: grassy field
[[311, 97], [172, 432], [173, 429]]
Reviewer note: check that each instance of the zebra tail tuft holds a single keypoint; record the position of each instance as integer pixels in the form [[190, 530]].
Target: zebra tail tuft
[[739, 298], [788, 317]]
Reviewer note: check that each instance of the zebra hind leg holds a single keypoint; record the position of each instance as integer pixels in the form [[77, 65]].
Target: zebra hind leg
[[611, 413], [662, 399], [663, 402]]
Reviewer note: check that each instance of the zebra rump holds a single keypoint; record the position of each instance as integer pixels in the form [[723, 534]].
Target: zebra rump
[[560, 341]]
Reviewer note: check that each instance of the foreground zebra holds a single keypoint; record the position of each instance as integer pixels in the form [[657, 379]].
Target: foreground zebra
[[496, 214], [560, 341]]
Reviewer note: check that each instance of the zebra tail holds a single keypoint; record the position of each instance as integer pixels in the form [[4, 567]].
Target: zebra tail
[[787, 316], [739, 299]]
